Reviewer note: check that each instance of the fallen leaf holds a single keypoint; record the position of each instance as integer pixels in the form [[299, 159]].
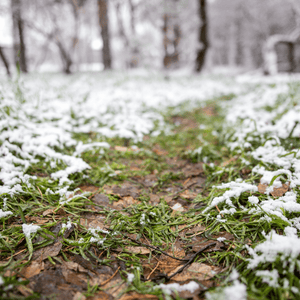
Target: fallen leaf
[[199, 271], [227, 162], [137, 296], [203, 242], [194, 181], [209, 111], [115, 286], [278, 192], [24, 290], [88, 188], [33, 269], [125, 202], [154, 198], [138, 250], [262, 188], [188, 195], [51, 250], [49, 282], [9, 273], [178, 207], [101, 295], [79, 296], [48, 211], [121, 148], [192, 170], [167, 264], [75, 278], [74, 266], [195, 229]]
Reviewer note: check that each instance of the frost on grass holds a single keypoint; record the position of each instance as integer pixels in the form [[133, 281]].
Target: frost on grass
[[29, 229], [4, 214], [39, 128], [262, 119], [192, 286]]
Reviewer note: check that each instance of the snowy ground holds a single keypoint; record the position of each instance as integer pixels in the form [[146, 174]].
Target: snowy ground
[[39, 114]]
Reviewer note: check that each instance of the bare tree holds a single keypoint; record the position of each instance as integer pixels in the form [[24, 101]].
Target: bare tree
[[202, 37], [5, 61], [103, 21], [18, 36], [171, 35]]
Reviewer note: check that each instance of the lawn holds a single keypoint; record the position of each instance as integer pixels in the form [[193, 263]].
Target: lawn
[[144, 186]]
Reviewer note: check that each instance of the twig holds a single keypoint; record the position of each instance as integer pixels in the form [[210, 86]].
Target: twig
[[191, 260], [19, 252], [150, 246], [219, 211], [40, 191], [111, 277], [153, 271], [197, 233]]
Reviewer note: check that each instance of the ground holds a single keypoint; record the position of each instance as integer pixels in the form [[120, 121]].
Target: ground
[[142, 187]]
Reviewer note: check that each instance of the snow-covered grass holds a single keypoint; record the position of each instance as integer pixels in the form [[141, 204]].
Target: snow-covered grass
[[49, 124]]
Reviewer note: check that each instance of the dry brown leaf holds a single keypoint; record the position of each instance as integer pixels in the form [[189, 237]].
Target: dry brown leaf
[[115, 286], [178, 207], [51, 250], [262, 188], [93, 221], [167, 264], [192, 170], [24, 290], [197, 271], [154, 198], [101, 295], [138, 250], [188, 195], [9, 273], [79, 296], [74, 278], [33, 269], [48, 211], [209, 111], [88, 188], [125, 202], [136, 296], [278, 192], [134, 168], [74, 266], [160, 152], [195, 229], [121, 148], [227, 162]]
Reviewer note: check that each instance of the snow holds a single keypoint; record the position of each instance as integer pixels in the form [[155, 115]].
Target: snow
[[192, 286], [130, 277], [29, 229], [4, 214], [221, 239]]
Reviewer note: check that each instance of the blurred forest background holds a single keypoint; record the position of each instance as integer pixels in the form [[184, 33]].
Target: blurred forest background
[[92, 35]]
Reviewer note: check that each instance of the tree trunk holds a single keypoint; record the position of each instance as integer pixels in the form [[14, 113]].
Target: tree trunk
[[103, 21], [203, 36], [65, 56], [5, 61], [123, 34], [18, 36], [171, 36], [134, 51], [233, 44]]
